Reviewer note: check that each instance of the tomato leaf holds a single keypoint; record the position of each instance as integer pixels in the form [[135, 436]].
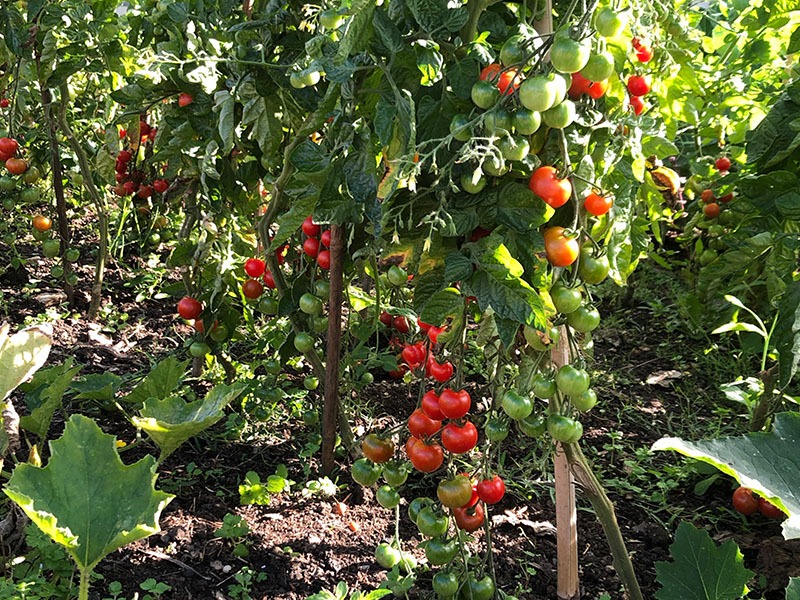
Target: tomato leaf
[[309, 158], [787, 333], [519, 209], [761, 461], [388, 33], [86, 499], [701, 570], [445, 303]]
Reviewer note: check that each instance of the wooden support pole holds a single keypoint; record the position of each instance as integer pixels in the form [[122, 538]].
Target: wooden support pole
[[330, 408]]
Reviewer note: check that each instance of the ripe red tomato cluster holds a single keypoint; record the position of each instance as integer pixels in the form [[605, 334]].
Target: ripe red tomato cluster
[[131, 180], [8, 154], [747, 503], [316, 245], [643, 52]]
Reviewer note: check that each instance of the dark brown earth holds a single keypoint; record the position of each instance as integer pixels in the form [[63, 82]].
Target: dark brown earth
[[303, 545]]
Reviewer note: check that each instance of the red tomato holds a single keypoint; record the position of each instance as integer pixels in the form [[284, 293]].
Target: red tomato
[[489, 72], [545, 183], [644, 53], [459, 440], [561, 249], [441, 372], [325, 238], [254, 267], [324, 259], [400, 323], [469, 518], [726, 198], [421, 425], [711, 210], [311, 246], [598, 89], [160, 185], [252, 288], [491, 490], [723, 163], [414, 354], [145, 191], [745, 501], [8, 146], [269, 280], [433, 334], [637, 104], [386, 319], [430, 406], [579, 86], [454, 405], [185, 99], [377, 449], [425, 457], [189, 308], [638, 85], [16, 166], [597, 204], [769, 510], [310, 228], [509, 81]]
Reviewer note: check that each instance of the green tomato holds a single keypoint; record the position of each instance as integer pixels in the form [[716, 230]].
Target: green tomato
[[609, 23], [592, 269], [8, 184], [303, 342], [473, 183], [564, 429], [585, 319], [365, 472], [459, 128], [322, 289], [309, 77], [407, 562], [514, 147], [268, 305], [72, 254], [367, 378], [387, 556], [387, 496], [29, 195], [33, 174], [535, 338], [495, 430], [543, 387], [219, 333], [477, 589], [432, 522], [484, 94], [395, 473], [516, 405], [533, 426], [585, 401], [296, 80], [526, 121], [572, 381], [310, 304], [445, 584], [513, 51], [568, 55], [57, 271], [565, 299], [497, 121], [494, 166], [198, 349], [599, 67], [538, 93], [319, 324], [51, 248], [397, 276], [708, 256], [310, 417], [560, 116], [416, 506], [72, 279], [311, 382], [330, 19], [440, 551]]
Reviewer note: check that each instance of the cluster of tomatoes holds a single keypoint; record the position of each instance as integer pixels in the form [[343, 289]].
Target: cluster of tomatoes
[[130, 180], [18, 171], [8, 154], [639, 85], [712, 204], [747, 503], [317, 243]]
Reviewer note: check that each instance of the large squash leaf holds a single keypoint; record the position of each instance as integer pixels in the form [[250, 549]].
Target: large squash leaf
[[701, 570], [768, 463], [21, 355], [86, 499], [172, 421]]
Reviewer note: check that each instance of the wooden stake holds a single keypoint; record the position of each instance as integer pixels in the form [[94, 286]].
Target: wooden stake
[[330, 409], [566, 512]]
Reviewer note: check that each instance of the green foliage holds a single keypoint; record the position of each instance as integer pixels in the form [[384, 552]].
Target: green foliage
[[253, 491], [21, 355], [701, 570], [757, 461], [86, 499], [342, 593]]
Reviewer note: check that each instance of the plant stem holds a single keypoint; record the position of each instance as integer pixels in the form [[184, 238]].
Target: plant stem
[[604, 510], [83, 591]]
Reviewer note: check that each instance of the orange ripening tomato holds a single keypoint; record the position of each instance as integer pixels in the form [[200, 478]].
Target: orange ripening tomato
[[561, 249], [509, 81], [545, 183], [490, 72], [597, 204], [41, 223]]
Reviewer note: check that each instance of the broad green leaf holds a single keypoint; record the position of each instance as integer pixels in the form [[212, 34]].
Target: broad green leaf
[[701, 570], [309, 158], [519, 209], [659, 146], [172, 421], [457, 267], [793, 591], [21, 355], [86, 499], [290, 221], [388, 33], [359, 31], [768, 463], [45, 397], [225, 104], [97, 386], [160, 382], [446, 303], [787, 333]]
